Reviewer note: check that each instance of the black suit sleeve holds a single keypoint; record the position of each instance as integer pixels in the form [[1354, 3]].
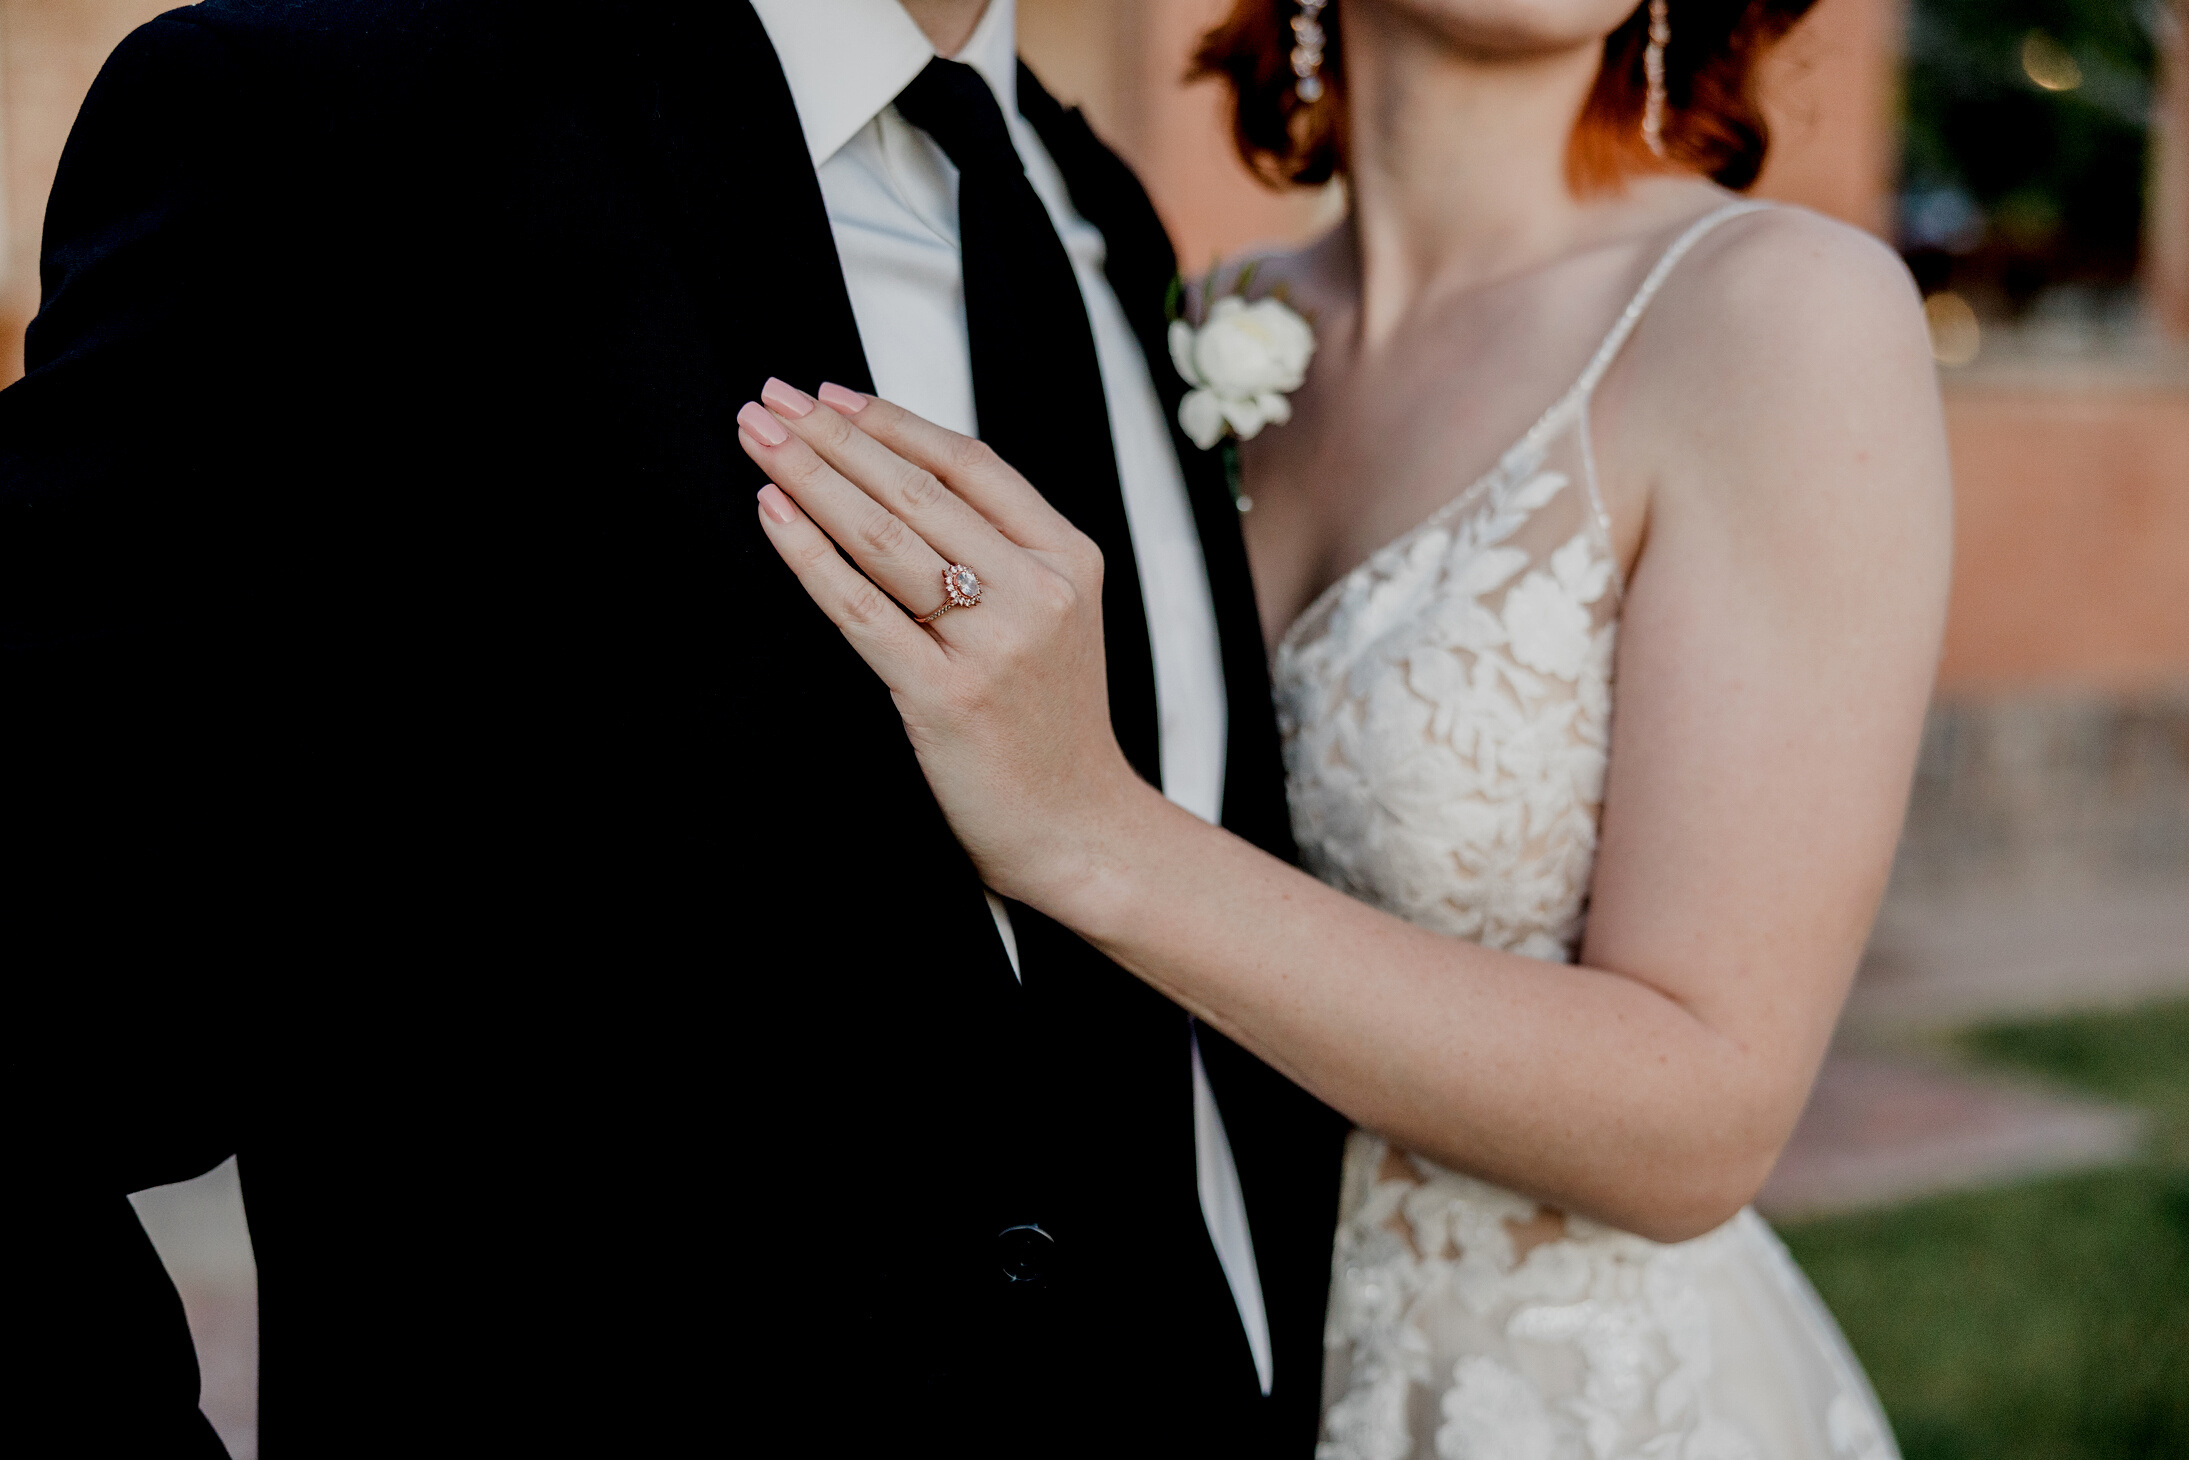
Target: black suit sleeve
[[108, 473], [115, 546], [136, 458]]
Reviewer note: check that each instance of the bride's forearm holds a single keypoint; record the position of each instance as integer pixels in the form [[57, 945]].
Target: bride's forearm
[[1585, 1088]]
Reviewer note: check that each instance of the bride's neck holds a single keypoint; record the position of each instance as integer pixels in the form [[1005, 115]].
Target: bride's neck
[[1457, 159]]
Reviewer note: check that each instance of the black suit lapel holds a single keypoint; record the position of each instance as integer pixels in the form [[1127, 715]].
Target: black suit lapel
[[717, 117], [1286, 1143], [1140, 269], [724, 113]]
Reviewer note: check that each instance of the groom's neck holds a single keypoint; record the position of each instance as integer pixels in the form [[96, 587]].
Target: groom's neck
[[949, 24]]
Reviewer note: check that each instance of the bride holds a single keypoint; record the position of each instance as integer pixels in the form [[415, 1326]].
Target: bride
[[1603, 562]]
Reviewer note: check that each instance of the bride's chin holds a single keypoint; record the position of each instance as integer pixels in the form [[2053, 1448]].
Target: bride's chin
[[1505, 28]]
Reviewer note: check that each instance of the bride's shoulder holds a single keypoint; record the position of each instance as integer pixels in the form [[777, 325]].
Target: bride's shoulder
[[1791, 349], [1784, 286], [1784, 318]]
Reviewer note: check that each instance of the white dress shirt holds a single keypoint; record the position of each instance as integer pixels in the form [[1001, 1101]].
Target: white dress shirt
[[892, 200]]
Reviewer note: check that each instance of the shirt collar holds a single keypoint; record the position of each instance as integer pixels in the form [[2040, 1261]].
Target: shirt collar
[[846, 60]]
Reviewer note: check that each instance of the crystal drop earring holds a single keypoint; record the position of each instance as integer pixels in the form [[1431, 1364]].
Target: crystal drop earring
[[1307, 51], [1653, 71]]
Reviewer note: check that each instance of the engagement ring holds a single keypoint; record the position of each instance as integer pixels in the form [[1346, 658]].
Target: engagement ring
[[960, 590]]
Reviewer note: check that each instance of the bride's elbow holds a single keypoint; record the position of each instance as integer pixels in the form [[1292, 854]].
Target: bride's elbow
[[1694, 1168], [1689, 1198]]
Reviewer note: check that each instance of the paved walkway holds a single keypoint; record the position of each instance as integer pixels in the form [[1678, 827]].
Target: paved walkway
[[198, 1229], [1880, 1131], [1938, 964], [1884, 1127]]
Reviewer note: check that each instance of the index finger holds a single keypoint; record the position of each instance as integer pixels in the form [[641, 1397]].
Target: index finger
[[968, 467]]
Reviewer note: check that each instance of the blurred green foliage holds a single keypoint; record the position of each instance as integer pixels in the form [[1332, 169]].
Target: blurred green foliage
[[2047, 1321], [2139, 1058], [2009, 184]]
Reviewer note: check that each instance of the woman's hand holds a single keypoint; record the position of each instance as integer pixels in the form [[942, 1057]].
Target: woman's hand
[[1007, 701]]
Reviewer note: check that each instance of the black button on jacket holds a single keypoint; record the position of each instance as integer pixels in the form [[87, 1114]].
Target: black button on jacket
[[424, 782]]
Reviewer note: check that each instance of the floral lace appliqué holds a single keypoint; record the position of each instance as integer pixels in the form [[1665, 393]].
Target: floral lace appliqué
[[1446, 715]]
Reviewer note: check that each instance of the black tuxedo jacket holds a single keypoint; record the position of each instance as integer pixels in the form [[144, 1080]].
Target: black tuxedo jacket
[[424, 782]]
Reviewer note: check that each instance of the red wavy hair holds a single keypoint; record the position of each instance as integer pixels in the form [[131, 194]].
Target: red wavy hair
[[1713, 124]]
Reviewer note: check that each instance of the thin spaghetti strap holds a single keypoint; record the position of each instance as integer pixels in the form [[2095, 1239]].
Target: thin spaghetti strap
[[1608, 351], [1577, 400], [1577, 395]]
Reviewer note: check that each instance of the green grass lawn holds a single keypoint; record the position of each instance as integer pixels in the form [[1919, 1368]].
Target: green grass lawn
[[2049, 1320]]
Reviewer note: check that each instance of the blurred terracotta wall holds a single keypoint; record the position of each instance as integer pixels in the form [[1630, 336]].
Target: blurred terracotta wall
[[2071, 538]]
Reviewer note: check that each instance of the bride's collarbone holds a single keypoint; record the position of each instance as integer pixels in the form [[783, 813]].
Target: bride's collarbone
[[1350, 476], [1384, 435]]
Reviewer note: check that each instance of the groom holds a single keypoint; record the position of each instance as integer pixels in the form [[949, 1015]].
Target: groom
[[428, 786]]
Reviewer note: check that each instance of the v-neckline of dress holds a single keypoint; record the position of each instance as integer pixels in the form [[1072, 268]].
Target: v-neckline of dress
[[1554, 417]]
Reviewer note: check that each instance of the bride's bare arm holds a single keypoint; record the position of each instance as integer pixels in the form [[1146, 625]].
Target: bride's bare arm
[[1776, 654]]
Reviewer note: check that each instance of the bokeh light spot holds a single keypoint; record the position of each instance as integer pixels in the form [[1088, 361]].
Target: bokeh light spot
[[1955, 335], [2049, 64]]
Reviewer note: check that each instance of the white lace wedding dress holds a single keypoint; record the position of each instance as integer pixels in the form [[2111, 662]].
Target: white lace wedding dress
[[1446, 711]]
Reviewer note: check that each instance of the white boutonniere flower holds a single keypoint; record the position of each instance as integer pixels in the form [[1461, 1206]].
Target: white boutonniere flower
[[1242, 361]]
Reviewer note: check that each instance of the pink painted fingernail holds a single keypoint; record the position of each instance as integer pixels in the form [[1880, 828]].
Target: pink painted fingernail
[[788, 399], [836, 397], [754, 417], [776, 505]]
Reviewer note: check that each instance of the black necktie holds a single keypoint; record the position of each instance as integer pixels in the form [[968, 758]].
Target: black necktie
[[1037, 385]]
